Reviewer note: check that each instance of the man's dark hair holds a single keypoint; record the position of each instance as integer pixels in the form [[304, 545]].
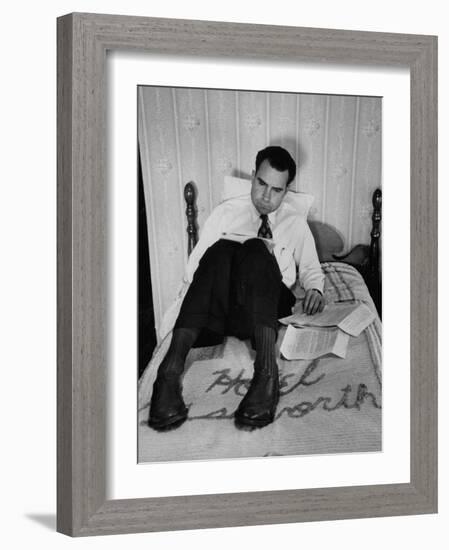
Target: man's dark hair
[[279, 159]]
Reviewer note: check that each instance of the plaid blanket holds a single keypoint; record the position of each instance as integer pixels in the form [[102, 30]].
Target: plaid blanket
[[328, 405]]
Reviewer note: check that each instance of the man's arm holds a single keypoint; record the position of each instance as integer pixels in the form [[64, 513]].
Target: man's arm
[[310, 273]]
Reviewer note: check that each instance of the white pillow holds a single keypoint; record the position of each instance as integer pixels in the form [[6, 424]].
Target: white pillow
[[238, 187], [235, 187]]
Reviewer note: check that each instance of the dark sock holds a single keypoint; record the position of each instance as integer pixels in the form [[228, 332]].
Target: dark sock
[[181, 343], [265, 341]]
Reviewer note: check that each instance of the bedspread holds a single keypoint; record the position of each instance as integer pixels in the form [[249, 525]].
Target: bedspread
[[327, 405]]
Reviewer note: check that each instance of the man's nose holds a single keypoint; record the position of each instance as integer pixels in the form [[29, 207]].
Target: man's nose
[[266, 194]]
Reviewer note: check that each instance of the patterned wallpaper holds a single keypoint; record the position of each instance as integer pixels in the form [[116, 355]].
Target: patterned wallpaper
[[202, 135]]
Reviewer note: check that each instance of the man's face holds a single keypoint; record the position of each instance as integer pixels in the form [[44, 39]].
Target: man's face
[[268, 188]]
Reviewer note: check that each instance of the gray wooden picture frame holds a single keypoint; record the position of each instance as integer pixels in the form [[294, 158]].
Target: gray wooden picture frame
[[83, 40]]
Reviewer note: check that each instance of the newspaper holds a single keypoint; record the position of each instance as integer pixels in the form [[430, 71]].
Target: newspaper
[[351, 318], [310, 343]]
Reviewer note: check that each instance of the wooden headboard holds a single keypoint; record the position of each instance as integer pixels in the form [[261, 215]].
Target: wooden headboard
[[329, 243]]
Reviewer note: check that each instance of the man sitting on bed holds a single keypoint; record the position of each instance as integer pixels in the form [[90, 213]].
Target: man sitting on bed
[[240, 275]]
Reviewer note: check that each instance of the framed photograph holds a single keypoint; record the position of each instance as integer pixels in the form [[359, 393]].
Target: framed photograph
[[197, 444]]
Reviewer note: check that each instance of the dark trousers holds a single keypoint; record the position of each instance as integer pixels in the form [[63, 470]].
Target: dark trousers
[[235, 287]]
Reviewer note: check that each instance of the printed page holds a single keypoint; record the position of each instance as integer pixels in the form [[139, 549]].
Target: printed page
[[237, 237], [310, 343], [241, 238], [358, 320]]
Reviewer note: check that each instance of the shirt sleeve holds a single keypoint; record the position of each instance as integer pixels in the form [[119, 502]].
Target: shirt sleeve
[[306, 257], [211, 232]]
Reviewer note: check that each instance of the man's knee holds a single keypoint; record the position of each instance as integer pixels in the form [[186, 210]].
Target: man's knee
[[255, 253], [219, 252], [256, 265], [256, 246]]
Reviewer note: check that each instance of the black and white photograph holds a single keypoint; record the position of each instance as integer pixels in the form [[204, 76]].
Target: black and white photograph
[[260, 274]]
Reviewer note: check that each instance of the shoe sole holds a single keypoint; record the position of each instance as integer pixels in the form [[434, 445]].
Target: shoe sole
[[167, 424], [244, 422]]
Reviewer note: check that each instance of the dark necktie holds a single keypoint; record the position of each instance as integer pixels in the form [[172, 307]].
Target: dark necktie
[[264, 229]]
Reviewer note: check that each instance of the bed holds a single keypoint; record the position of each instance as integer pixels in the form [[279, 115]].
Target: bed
[[327, 405]]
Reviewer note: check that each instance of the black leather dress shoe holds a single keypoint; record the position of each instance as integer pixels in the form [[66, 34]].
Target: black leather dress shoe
[[257, 409], [167, 410]]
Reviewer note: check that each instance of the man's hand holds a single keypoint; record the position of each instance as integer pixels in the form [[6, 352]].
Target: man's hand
[[313, 301]]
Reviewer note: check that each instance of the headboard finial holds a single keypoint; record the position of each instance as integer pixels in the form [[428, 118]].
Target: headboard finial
[[189, 195], [375, 233], [377, 204]]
